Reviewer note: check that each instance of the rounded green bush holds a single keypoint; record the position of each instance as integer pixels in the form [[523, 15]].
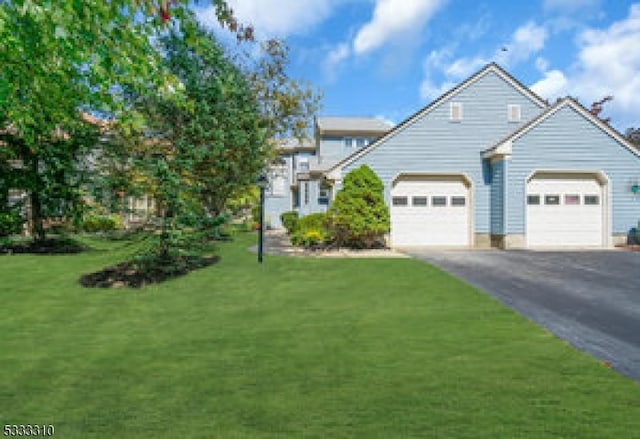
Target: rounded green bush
[[290, 221]]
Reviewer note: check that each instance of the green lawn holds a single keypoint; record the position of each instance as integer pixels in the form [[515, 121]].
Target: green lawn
[[298, 347]]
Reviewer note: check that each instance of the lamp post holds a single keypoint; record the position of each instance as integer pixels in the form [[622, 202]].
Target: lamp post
[[262, 182]]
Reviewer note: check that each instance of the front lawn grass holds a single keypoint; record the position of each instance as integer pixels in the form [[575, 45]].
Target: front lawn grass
[[298, 347]]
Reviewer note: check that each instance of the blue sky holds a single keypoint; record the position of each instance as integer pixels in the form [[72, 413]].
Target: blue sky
[[390, 58]]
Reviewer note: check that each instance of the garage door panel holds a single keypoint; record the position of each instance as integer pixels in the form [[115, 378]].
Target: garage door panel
[[430, 225], [573, 221]]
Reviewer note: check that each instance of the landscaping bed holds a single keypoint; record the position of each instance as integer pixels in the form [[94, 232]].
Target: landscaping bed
[[136, 274]]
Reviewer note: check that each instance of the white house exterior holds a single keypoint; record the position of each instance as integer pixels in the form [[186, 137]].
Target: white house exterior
[[490, 163]]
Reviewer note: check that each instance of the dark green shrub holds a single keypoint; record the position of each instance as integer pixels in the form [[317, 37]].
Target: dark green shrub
[[311, 231], [10, 223], [359, 217], [290, 221], [101, 223]]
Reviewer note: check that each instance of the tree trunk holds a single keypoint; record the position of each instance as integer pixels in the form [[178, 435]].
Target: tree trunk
[[35, 202]]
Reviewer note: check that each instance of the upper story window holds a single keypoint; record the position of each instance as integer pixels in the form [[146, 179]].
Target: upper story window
[[455, 111], [303, 164], [278, 181], [361, 142], [514, 113], [348, 142]]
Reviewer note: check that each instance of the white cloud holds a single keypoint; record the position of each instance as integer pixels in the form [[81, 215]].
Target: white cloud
[[274, 18], [542, 64], [553, 84], [464, 67], [386, 120], [527, 40], [393, 18], [430, 90], [608, 63], [334, 58]]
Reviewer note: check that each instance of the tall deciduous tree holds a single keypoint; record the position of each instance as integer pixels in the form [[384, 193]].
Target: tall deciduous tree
[[192, 155], [286, 105], [59, 56]]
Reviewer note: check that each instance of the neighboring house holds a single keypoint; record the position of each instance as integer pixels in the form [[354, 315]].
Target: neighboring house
[[490, 163], [297, 179]]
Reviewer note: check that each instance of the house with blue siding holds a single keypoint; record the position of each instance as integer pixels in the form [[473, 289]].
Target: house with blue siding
[[297, 179], [490, 163]]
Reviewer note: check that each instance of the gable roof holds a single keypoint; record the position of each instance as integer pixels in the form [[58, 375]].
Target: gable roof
[[333, 124], [504, 146], [489, 68]]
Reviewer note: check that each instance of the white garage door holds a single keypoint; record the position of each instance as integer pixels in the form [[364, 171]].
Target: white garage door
[[564, 212], [429, 212]]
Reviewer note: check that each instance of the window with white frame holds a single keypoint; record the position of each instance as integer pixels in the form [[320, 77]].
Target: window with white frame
[[324, 194], [278, 181], [514, 112], [455, 111], [360, 142], [348, 142], [303, 164]]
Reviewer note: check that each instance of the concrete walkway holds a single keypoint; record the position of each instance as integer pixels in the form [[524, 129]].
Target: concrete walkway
[[276, 242]]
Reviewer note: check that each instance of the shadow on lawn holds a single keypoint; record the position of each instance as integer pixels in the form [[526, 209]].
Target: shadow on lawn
[[49, 246]]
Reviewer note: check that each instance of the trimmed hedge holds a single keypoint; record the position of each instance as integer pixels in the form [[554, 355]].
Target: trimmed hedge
[[359, 217], [312, 231], [101, 223], [290, 221]]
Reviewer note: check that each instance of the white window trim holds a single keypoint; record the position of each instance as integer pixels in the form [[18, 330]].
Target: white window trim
[[456, 112], [303, 164], [514, 113]]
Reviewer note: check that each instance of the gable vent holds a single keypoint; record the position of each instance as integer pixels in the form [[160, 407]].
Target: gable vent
[[513, 112], [455, 111]]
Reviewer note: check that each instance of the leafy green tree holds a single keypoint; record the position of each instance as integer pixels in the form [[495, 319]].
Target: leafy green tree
[[195, 154], [287, 106], [53, 173], [61, 56], [358, 216]]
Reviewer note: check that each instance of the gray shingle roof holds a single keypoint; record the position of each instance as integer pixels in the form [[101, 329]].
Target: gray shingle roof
[[292, 144], [352, 124]]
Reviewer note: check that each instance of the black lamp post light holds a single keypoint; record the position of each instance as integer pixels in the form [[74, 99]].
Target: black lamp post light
[[262, 183]]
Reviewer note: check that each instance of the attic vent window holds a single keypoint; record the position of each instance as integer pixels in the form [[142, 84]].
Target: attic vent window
[[455, 111], [513, 112]]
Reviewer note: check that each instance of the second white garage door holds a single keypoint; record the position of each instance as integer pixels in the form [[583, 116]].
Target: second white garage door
[[430, 211], [564, 211]]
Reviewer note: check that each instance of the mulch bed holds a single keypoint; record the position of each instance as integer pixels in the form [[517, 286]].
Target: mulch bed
[[51, 246], [136, 274]]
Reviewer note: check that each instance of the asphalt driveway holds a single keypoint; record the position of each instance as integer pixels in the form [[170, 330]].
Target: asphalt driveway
[[589, 298]]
